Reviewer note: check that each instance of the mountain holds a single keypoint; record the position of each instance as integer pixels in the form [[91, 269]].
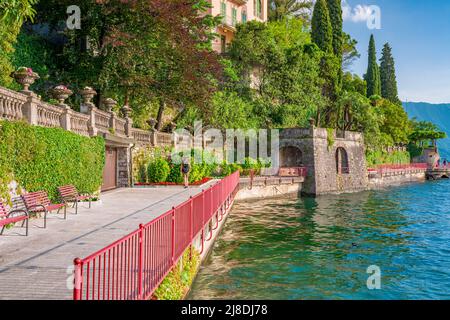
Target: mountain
[[439, 114]]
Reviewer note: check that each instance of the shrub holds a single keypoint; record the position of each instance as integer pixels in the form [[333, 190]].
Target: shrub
[[142, 174], [41, 158], [175, 174], [158, 170], [178, 281]]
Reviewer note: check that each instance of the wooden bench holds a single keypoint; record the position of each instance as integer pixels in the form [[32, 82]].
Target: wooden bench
[[37, 202], [12, 216], [70, 194]]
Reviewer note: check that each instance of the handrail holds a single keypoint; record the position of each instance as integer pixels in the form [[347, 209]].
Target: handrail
[[132, 267]]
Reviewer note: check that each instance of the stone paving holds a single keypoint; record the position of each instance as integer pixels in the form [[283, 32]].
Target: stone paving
[[40, 266]]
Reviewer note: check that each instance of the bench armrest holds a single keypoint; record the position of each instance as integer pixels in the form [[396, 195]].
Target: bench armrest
[[18, 211]]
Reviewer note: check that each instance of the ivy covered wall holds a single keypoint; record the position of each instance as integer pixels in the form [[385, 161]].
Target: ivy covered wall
[[39, 158]]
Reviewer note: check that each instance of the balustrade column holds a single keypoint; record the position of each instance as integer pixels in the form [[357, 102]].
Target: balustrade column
[[30, 110], [89, 108]]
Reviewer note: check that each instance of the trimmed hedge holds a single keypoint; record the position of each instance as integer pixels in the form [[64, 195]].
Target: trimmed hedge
[[158, 170], [41, 158]]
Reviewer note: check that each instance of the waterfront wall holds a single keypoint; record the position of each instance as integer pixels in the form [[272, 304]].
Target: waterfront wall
[[268, 187], [381, 182]]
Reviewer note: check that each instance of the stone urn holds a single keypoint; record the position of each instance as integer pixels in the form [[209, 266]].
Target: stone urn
[[126, 111], [61, 93], [88, 94], [109, 104], [152, 123], [172, 126], [26, 77]]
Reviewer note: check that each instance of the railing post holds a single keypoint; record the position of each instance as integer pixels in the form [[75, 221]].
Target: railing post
[[29, 108], [141, 259], [173, 236], [191, 231], [77, 279]]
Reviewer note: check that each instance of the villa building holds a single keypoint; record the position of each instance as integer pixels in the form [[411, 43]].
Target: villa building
[[233, 13]]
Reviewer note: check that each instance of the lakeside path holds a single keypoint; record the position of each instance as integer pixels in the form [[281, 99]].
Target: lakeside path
[[39, 266]]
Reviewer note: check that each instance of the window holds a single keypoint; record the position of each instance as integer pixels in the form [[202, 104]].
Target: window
[[223, 9], [234, 16], [258, 8], [244, 16], [342, 166]]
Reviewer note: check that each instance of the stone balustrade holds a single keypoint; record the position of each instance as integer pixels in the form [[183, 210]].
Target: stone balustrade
[[91, 121]]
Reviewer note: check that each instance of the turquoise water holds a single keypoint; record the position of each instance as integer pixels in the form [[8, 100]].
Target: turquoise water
[[321, 248]]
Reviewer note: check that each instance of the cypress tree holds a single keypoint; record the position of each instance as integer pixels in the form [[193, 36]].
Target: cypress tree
[[389, 89], [335, 11], [372, 76], [321, 30]]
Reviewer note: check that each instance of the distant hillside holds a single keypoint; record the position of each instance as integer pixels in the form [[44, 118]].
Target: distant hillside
[[439, 114]]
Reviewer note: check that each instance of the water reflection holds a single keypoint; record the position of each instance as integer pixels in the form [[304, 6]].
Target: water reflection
[[320, 248]]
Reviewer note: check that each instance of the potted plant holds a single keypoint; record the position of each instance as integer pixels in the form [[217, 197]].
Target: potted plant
[[61, 93], [26, 77]]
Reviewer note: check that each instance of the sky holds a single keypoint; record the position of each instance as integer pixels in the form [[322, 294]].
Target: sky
[[419, 34]]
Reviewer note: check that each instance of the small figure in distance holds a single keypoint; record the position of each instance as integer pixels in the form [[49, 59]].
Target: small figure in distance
[[185, 169]]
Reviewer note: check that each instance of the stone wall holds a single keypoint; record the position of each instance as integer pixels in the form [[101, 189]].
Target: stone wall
[[319, 157], [381, 182]]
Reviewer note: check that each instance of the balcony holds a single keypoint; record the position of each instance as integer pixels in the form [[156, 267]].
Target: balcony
[[239, 2], [229, 23]]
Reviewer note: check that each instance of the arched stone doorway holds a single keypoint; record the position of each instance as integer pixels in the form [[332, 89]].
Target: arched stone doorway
[[342, 165], [290, 157]]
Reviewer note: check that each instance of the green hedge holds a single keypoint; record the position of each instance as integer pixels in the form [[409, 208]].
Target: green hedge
[[41, 158], [374, 158]]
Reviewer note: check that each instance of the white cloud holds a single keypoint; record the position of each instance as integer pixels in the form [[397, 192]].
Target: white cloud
[[360, 13]]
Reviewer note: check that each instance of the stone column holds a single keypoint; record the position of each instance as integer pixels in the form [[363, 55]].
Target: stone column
[[123, 167], [29, 109]]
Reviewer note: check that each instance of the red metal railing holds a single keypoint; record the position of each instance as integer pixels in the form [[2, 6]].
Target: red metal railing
[[398, 168], [133, 267]]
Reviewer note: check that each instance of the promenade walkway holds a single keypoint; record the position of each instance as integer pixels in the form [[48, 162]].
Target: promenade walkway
[[40, 266]]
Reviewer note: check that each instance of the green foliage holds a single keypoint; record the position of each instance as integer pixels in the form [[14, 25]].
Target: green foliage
[[321, 28], [372, 76], [280, 55], [283, 9], [335, 11], [353, 83], [13, 13], [424, 131], [330, 138], [378, 157], [176, 284], [158, 170], [387, 76], [41, 158]]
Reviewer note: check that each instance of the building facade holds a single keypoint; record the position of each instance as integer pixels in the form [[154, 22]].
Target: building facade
[[234, 12]]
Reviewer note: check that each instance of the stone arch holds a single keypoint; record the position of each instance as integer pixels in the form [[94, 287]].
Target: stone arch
[[342, 164], [290, 156]]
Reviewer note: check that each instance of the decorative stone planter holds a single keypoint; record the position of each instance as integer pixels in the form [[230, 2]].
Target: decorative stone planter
[[126, 111], [26, 77], [87, 94], [109, 104], [61, 93], [152, 123]]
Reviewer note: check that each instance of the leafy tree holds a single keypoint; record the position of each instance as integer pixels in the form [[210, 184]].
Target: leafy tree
[[395, 122], [372, 76], [349, 51], [152, 50], [353, 83], [13, 13], [387, 75], [424, 131], [282, 9], [321, 29], [279, 67]]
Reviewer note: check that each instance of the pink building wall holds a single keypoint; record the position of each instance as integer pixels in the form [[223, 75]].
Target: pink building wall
[[227, 30]]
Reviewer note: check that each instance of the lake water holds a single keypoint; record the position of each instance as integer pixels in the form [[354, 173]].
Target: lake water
[[321, 248]]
